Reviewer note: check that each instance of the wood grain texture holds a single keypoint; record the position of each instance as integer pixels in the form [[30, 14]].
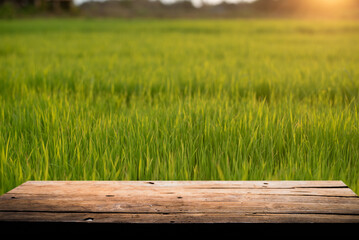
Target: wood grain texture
[[181, 202]]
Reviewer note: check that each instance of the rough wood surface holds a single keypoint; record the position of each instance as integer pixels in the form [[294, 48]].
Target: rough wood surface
[[181, 202]]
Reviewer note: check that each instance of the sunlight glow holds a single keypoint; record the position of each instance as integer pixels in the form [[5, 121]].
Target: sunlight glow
[[196, 3]]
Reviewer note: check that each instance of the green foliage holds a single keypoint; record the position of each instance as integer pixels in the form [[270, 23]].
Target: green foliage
[[178, 100], [7, 11]]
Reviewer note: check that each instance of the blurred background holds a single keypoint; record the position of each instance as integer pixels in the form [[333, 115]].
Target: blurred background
[[179, 90], [181, 8]]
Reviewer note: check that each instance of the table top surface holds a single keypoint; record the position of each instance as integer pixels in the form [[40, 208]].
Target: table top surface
[[181, 202]]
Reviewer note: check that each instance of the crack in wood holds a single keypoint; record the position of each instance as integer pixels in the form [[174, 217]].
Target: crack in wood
[[296, 213], [314, 187], [266, 187], [313, 195], [183, 213]]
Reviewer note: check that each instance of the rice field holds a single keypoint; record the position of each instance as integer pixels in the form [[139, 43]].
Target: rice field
[[107, 99]]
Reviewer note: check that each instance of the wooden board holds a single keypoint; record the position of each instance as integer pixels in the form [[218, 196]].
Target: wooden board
[[180, 202]]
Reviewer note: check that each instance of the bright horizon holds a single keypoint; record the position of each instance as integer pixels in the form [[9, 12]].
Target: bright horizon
[[196, 3]]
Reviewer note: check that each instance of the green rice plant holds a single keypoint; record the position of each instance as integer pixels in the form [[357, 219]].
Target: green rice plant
[[178, 100]]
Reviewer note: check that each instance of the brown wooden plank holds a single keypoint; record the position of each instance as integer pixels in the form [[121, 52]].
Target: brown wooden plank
[[173, 197], [181, 201], [177, 218], [175, 207], [188, 184], [143, 188]]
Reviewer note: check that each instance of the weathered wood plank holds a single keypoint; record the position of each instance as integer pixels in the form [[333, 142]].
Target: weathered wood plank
[[189, 184], [175, 197], [177, 205], [181, 201], [173, 207], [177, 218], [143, 188], [340, 192]]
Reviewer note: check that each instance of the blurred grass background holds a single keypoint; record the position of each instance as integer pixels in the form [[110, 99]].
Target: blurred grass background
[[111, 99]]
